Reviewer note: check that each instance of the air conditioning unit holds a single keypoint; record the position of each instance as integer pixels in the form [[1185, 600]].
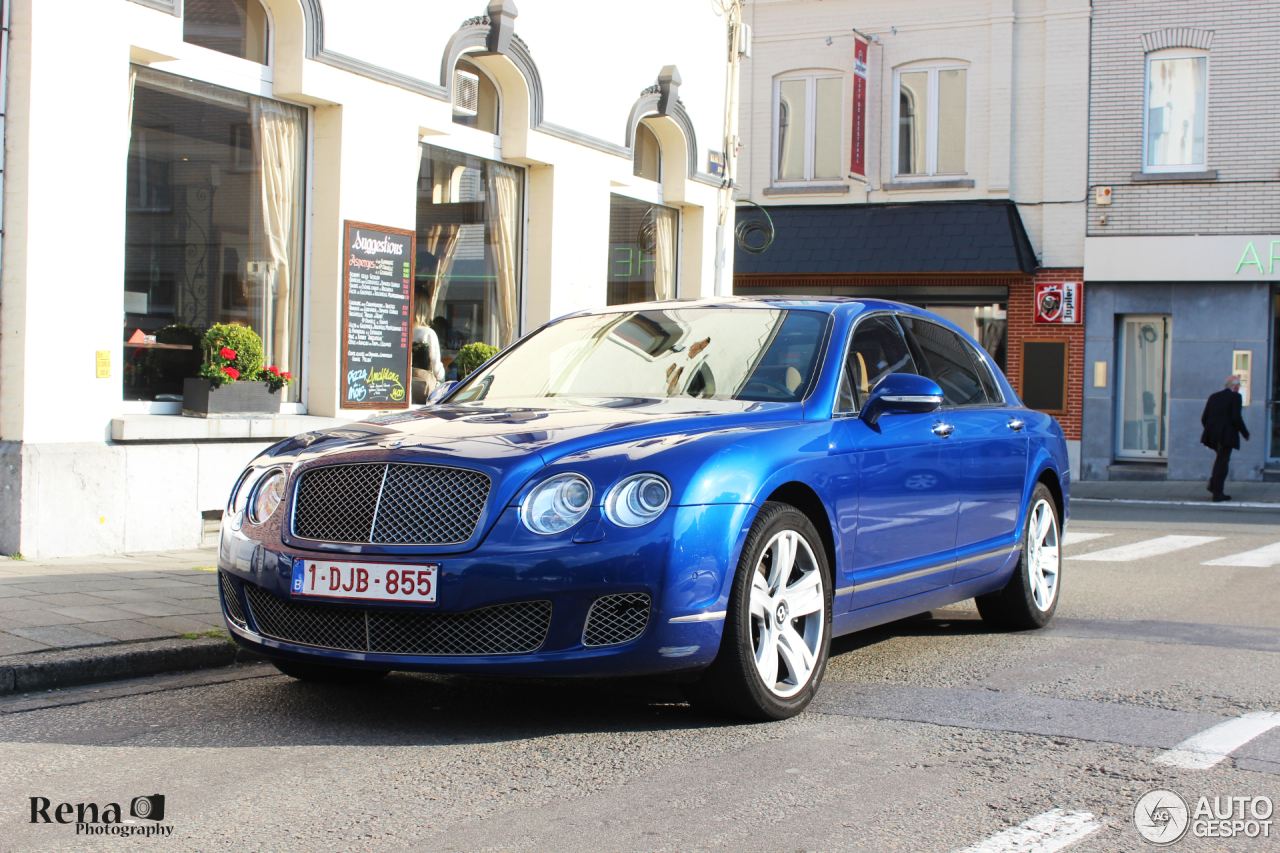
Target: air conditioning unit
[[466, 93]]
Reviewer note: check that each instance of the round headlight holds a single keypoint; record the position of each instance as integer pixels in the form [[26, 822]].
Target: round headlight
[[556, 504], [267, 495], [240, 494], [637, 500]]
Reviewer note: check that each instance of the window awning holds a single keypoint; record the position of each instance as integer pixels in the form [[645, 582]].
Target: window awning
[[919, 237]]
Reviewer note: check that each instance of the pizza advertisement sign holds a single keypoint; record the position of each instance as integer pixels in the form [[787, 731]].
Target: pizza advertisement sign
[[1059, 302]]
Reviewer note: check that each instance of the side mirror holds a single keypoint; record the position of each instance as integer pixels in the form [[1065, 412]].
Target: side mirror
[[901, 394], [442, 391]]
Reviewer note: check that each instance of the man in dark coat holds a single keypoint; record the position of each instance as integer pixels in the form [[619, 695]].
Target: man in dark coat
[[1223, 427]]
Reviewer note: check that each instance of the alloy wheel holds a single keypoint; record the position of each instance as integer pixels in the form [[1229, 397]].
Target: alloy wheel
[[1043, 555], [788, 613]]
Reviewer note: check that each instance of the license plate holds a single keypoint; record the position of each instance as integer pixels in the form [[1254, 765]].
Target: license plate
[[367, 581]]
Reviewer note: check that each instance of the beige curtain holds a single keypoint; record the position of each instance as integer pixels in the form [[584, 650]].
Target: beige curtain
[[279, 129], [503, 190], [442, 242], [664, 255]]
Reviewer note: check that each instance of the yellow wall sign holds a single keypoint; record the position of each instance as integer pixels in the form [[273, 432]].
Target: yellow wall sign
[[104, 363]]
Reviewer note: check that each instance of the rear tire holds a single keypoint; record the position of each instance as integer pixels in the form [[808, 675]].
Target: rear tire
[[1030, 598], [323, 673], [777, 632]]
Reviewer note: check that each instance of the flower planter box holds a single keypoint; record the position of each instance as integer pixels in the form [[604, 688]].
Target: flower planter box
[[200, 399]]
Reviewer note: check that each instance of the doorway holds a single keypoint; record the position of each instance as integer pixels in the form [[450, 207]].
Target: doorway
[[1143, 391]]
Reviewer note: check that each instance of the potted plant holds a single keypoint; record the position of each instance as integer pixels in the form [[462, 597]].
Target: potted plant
[[472, 356], [232, 380]]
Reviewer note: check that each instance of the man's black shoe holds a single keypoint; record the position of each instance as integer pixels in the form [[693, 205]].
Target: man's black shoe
[[1221, 498]]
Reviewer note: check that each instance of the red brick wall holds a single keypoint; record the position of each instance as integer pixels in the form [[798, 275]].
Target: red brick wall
[[1022, 326]]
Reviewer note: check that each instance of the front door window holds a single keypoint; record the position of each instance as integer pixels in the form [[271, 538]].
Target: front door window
[[1144, 388]]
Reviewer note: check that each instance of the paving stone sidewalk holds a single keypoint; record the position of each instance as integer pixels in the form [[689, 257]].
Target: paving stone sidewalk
[[92, 601], [1174, 490]]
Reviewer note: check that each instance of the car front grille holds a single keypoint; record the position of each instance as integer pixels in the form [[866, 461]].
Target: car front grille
[[616, 619], [231, 601], [504, 629], [389, 504]]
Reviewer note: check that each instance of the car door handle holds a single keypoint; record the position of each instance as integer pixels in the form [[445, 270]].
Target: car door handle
[[943, 430], [1016, 424]]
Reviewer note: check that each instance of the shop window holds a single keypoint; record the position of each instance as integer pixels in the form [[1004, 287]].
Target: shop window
[[1044, 376], [647, 159], [642, 251], [1177, 83], [475, 98], [809, 128], [467, 287], [213, 228], [235, 27], [931, 113]]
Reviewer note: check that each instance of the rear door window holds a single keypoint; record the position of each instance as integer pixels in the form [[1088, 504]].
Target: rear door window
[[946, 360]]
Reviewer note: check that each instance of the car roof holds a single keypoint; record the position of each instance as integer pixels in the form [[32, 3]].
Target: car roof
[[826, 304]]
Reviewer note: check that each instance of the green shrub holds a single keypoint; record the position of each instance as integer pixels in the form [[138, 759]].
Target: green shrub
[[244, 360], [472, 356]]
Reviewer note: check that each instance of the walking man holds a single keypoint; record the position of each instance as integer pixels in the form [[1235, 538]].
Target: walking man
[[1223, 427]]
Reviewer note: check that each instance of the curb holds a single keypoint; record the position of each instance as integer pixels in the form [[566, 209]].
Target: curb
[[1202, 504], [52, 670]]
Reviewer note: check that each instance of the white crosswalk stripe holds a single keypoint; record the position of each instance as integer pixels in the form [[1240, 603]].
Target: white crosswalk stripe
[[1147, 548], [1266, 557], [1073, 537], [1047, 833], [1213, 745]]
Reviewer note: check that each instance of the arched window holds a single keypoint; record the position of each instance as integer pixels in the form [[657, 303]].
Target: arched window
[[475, 97], [235, 27], [647, 158]]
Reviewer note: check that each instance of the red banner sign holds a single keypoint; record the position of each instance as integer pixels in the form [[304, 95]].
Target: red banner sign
[[858, 161], [1058, 302]]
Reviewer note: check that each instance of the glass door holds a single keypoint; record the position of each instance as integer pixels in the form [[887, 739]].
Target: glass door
[[1143, 392]]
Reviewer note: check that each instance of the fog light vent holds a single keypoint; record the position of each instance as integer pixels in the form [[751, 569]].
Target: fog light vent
[[231, 601], [616, 619]]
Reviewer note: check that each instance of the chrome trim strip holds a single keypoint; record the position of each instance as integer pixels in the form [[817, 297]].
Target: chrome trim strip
[[936, 567], [377, 504], [998, 552], [844, 590], [710, 616], [913, 398]]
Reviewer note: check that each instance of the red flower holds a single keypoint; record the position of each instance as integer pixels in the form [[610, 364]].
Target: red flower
[[273, 370], [228, 353], [231, 372], [287, 375]]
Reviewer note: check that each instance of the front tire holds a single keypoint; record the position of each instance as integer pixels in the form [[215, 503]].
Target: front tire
[[1030, 598], [323, 673], [777, 631]]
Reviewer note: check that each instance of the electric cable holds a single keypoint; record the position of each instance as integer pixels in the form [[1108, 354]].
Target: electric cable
[[751, 226]]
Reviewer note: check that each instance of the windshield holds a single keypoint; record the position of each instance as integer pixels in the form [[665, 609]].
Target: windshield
[[708, 353]]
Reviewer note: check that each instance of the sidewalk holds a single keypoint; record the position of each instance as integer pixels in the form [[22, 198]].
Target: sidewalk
[[1179, 491]]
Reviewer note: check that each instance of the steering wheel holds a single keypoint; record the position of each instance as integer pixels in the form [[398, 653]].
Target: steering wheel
[[770, 385]]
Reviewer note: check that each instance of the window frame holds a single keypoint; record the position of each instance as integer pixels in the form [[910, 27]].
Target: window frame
[[844, 358], [1173, 53], [810, 130], [931, 118], [973, 358]]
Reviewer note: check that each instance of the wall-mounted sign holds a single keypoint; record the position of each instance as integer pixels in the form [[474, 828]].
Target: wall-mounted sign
[[102, 363], [715, 164], [1184, 257], [858, 159], [377, 309], [1058, 302]]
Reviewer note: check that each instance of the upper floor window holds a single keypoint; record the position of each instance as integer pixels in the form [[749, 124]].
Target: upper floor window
[[235, 27], [808, 128], [931, 114], [475, 97], [1177, 82], [647, 158]]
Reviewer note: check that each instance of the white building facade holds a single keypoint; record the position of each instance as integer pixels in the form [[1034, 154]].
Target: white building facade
[[560, 156]]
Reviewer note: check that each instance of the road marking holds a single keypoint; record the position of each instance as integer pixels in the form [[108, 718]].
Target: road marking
[[1054, 830], [1266, 557], [1147, 548], [1073, 538], [1209, 747]]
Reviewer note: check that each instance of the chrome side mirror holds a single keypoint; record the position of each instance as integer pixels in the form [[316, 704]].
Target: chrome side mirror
[[442, 391], [901, 394]]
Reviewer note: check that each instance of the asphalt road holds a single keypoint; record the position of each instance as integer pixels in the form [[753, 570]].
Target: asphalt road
[[932, 734]]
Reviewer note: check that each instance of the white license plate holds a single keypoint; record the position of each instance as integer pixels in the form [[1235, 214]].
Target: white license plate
[[367, 581]]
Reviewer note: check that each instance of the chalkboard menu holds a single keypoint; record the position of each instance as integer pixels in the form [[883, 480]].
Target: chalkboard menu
[[377, 312]]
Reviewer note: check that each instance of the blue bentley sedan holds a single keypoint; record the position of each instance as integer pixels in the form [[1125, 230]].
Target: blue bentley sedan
[[709, 489]]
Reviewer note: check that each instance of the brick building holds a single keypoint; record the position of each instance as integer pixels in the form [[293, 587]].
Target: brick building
[[935, 155], [1183, 233]]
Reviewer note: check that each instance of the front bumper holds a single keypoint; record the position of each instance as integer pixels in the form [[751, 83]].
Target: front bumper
[[683, 562]]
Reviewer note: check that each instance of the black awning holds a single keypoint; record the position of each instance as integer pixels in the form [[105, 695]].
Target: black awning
[[918, 237]]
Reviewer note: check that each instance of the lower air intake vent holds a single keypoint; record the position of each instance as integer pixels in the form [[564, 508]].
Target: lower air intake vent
[[506, 629], [231, 601], [616, 619]]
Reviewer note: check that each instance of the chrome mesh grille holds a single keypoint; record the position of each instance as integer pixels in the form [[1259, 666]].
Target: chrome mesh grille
[[389, 504], [231, 601], [616, 619], [505, 629]]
